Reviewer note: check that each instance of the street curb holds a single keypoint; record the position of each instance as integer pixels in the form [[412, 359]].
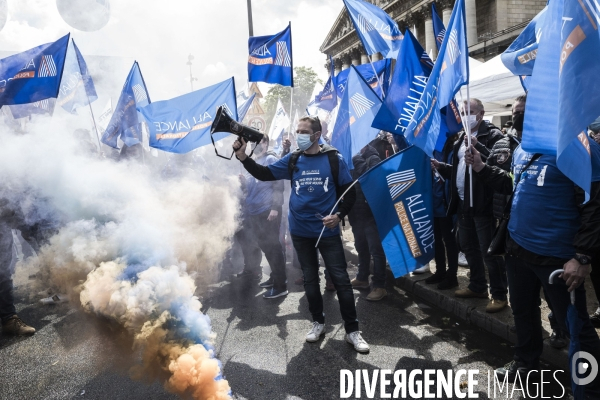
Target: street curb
[[465, 309]]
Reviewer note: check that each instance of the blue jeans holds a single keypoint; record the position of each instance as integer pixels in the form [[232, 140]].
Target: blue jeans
[[475, 235], [525, 280], [7, 306], [367, 244], [332, 251]]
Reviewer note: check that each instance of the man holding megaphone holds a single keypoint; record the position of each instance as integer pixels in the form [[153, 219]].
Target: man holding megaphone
[[318, 175]]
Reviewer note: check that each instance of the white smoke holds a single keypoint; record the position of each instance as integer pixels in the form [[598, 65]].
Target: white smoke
[[126, 244]]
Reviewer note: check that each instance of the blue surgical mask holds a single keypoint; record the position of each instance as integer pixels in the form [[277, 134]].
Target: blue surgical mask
[[304, 142]]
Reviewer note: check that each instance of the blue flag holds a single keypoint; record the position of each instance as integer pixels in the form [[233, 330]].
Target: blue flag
[[399, 192], [439, 30], [520, 56], [33, 75], [76, 88], [182, 124], [377, 31], [383, 68], [327, 98], [525, 81], [125, 122], [408, 83], [42, 107], [450, 72], [244, 107], [270, 58], [357, 109], [566, 55]]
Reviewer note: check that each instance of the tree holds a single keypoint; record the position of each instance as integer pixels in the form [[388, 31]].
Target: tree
[[305, 80]]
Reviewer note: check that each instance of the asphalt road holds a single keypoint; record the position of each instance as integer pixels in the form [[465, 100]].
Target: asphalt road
[[260, 343]]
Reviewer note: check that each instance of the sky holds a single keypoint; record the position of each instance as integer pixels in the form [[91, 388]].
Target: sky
[[160, 34]]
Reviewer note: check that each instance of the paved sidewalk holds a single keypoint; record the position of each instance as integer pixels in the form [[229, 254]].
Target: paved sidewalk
[[472, 311]]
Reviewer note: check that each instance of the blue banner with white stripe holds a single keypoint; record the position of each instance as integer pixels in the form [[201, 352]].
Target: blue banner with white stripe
[[357, 109], [125, 122], [270, 58], [33, 75], [182, 124], [399, 192]]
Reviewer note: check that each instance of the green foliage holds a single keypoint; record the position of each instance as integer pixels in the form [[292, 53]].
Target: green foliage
[[305, 80]]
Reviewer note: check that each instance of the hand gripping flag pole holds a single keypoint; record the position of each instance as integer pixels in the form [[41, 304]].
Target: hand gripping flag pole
[[469, 141], [334, 206], [467, 127]]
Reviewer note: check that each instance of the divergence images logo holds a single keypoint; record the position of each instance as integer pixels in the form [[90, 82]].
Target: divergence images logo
[[360, 104], [139, 93], [283, 55], [399, 182], [47, 67], [580, 363]]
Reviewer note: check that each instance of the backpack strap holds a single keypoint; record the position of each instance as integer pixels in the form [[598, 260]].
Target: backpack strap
[[292, 165], [334, 165]]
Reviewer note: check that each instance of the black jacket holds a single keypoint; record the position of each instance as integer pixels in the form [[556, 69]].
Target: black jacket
[[501, 156], [487, 136], [362, 163]]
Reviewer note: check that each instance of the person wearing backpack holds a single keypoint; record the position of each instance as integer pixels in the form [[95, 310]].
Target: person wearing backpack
[[319, 176]]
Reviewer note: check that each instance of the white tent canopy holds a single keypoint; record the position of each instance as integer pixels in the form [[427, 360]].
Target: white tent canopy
[[493, 84]]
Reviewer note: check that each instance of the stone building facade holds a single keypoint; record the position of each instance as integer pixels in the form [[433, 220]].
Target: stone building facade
[[492, 25]]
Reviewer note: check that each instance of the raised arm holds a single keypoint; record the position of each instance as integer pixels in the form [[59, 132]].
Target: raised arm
[[258, 171]]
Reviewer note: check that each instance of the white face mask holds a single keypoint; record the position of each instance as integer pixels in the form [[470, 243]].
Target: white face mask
[[471, 120]]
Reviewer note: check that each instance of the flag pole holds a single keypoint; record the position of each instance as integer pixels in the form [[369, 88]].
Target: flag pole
[[376, 76], [89, 103], [334, 206], [94, 120], [290, 116], [470, 166], [468, 132]]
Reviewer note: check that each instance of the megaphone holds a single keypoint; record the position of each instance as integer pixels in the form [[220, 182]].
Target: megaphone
[[224, 123]]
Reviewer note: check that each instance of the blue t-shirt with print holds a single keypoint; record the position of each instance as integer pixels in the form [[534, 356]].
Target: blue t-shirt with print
[[544, 216], [313, 192], [260, 194]]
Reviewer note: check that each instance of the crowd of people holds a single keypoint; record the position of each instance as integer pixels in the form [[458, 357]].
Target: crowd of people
[[476, 188]]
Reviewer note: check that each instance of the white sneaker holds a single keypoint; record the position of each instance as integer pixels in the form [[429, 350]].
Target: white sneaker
[[422, 270], [462, 260], [316, 332], [357, 341]]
